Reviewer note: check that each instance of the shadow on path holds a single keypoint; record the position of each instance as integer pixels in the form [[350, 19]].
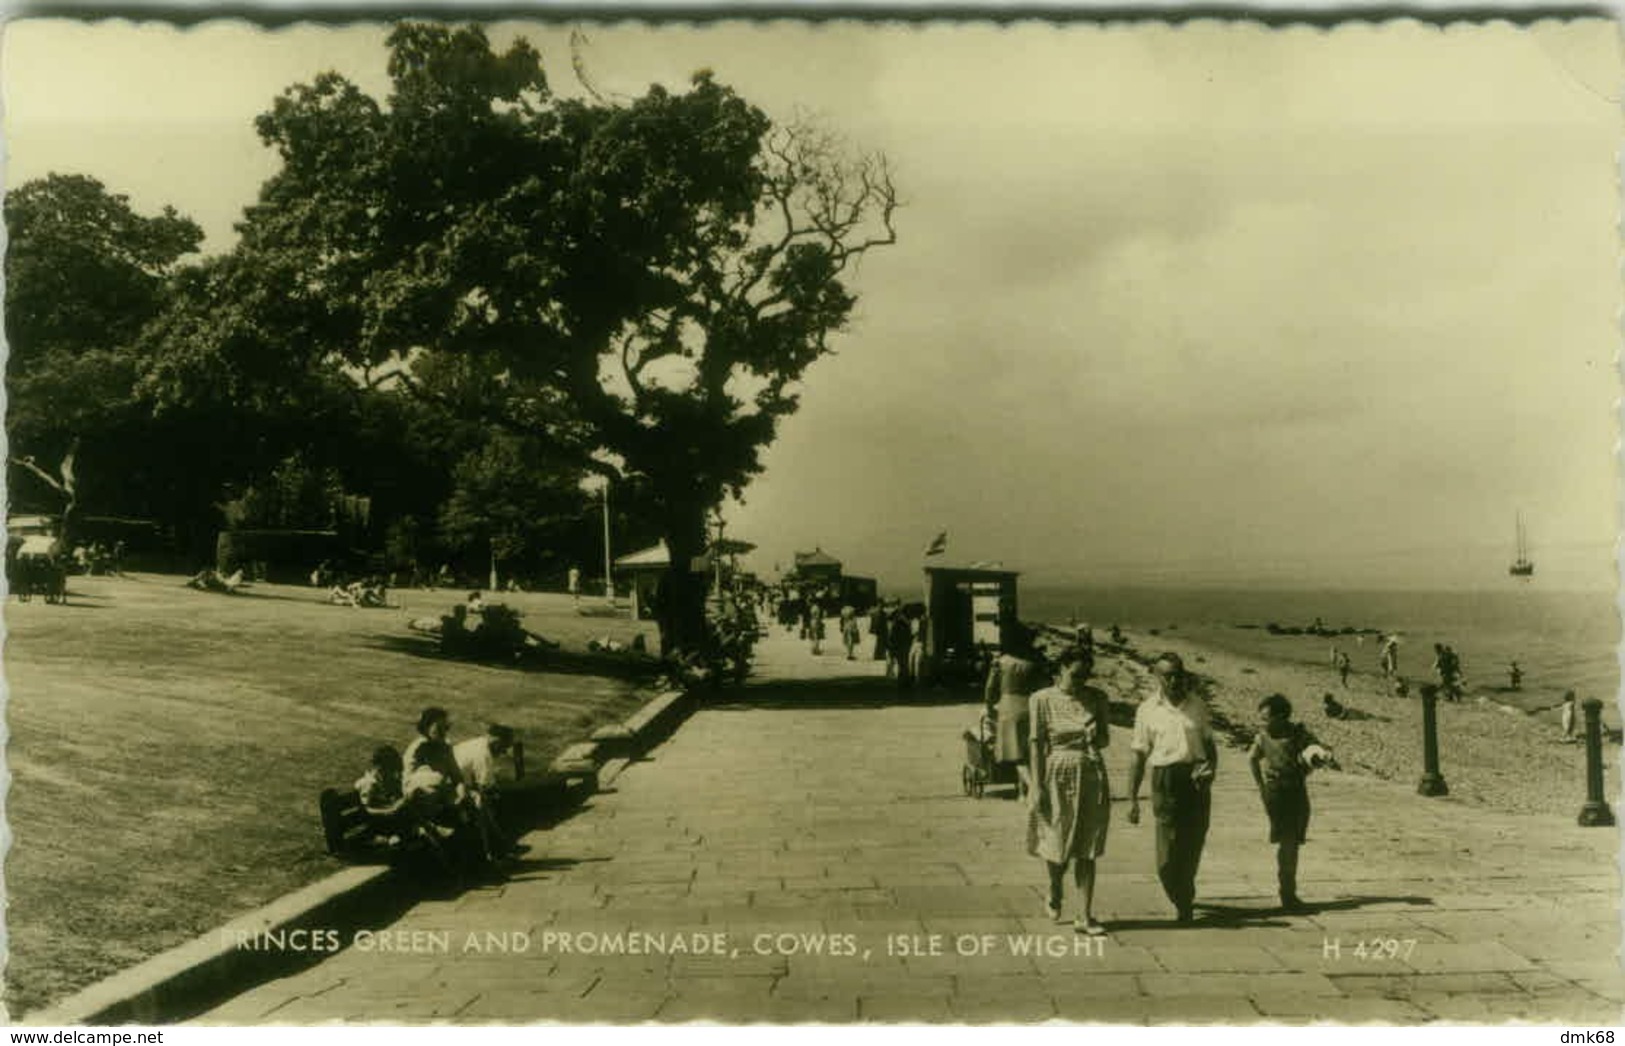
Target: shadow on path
[[837, 692], [640, 669]]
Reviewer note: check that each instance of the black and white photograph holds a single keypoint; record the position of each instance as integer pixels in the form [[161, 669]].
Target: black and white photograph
[[955, 521]]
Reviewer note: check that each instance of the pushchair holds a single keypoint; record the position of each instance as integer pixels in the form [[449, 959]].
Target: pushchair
[[980, 769]]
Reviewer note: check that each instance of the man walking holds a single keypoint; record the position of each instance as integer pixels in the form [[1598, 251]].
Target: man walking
[[1173, 732]]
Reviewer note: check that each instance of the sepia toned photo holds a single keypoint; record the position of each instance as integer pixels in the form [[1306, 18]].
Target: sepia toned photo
[[812, 521]]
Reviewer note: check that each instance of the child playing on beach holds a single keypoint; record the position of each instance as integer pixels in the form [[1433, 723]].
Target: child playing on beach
[[1569, 721], [1281, 763]]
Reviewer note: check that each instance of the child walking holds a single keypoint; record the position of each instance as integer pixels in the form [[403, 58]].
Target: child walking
[[1281, 761]]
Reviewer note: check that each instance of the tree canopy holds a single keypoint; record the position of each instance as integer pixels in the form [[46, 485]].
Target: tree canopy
[[84, 273], [641, 284]]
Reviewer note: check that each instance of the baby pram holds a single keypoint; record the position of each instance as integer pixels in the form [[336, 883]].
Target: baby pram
[[980, 769]]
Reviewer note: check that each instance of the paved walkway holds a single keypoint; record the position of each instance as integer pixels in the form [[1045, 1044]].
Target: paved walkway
[[820, 821]]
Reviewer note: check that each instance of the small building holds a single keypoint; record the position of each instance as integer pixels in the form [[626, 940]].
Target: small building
[[643, 570], [817, 566], [967, 607], [859, 593]]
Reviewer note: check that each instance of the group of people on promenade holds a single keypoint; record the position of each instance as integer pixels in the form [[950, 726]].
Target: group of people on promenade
[[435, 791], [1055, 736], [896, 631]]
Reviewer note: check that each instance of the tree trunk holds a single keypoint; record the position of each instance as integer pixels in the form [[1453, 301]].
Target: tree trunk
[[681, 603]]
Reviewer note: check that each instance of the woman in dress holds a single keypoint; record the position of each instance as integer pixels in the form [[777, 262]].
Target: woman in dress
[[1071, 799], [1011, 679]]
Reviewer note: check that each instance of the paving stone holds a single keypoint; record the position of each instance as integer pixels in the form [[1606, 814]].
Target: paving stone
[[1178, 985], [980, 1009], [1291, 1008], [1194, 957], [899, 1007], [1479, 955]]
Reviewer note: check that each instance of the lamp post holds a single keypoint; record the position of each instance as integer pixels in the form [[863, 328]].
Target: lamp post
[[1432, 782], [609, 577], [1595, 812]]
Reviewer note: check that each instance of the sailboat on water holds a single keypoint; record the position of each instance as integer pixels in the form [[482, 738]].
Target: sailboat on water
[[1523, 566]]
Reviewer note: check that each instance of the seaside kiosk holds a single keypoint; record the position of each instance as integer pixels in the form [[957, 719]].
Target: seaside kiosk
[[967, 607], [644, 569]]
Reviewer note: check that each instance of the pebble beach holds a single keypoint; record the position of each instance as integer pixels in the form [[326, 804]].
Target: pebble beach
[[1490, 755]]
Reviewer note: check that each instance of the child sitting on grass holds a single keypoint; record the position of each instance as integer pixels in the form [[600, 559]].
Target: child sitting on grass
[[382, 789], [1281, 757]]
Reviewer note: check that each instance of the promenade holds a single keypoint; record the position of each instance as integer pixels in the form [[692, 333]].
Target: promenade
[[815, 817]]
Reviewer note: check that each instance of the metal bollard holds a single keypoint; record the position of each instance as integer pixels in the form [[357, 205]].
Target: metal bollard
[[1432, 782], [1595, 811]]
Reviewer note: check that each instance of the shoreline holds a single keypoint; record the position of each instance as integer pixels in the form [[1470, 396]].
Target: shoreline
[[1491, 755]]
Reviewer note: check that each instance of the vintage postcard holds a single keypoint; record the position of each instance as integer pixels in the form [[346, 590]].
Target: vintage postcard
[[808, 521]]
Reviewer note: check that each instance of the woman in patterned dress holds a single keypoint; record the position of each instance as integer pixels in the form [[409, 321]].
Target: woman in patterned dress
[[1071, 797]]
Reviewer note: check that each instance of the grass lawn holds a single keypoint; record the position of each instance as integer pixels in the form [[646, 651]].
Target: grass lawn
[[167, 745]]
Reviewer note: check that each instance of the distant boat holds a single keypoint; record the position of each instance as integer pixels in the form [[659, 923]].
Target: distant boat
[[1523, 566]]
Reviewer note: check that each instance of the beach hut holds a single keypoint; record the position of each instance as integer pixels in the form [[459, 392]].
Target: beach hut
[[967, 607], [643, 570]]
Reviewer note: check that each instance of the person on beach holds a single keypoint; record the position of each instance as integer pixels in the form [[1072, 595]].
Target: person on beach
[[1011, 679], [1515, 676], [1448, 669], [1570, 725], [816, 629], [1344, 666], [1280, 765], [1070, 801], [573, 583], [1173, 733], [1390, 655]]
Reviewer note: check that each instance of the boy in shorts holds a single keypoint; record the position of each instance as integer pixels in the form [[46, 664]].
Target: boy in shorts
[[1281, 761]]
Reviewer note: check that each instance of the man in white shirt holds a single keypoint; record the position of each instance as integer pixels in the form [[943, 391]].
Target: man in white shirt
[[1173, 732], [476, 762]]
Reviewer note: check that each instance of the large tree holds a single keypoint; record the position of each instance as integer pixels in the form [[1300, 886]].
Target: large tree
[[643, 283], [85, 273]]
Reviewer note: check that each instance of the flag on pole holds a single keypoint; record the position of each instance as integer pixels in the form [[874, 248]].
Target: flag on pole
[[938, 546]]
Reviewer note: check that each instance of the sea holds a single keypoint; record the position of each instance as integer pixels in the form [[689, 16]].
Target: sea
[[1560, 640]]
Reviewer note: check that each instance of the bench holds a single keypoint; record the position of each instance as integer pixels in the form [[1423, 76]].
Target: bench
[[352, 833], [578, 764]]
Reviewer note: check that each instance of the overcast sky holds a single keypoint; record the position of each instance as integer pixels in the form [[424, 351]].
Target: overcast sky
[[1211, 304]]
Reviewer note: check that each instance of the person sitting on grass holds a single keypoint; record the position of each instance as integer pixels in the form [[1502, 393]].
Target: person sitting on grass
[[210, 580], [432, 779], [383, 796], [435, 782], [1281, 762], [476, 762]]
